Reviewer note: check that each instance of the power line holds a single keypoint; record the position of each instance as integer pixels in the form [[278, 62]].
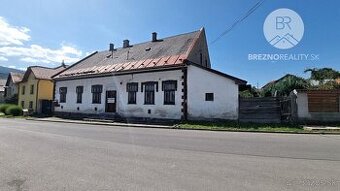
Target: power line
[[239, 20]]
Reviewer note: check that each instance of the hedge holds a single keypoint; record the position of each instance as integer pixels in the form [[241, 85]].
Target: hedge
[[14, 110], [3, 107]]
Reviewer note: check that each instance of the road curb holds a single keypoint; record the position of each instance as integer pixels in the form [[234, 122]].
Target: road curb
[[175, 127], [103, 123], [267, 132]]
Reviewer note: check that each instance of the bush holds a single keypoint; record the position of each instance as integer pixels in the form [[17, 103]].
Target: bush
[[3, 107], [14, 110]]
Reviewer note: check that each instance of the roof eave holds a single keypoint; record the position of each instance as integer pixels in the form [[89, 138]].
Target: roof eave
[[237, 81]]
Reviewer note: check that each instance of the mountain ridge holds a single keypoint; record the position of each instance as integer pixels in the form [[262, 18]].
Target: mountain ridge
[[4, 71]]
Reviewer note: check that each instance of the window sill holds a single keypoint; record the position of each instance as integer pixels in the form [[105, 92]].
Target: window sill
[[149, 104]]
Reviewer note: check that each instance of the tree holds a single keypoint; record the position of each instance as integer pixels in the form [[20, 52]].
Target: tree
[[284, 85], [323, 74]]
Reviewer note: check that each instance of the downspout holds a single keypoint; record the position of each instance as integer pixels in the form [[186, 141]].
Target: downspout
[[36, 97]]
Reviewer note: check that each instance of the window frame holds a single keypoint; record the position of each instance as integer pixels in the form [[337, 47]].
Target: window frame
[[132, 89], [149, 95], [30, 105], [169, 87], [23, 90], [79, 92], [32, 89], [62, 94], [97, 91], [209, 96]]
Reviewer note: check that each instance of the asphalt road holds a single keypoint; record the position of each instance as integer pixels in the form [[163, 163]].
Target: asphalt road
[[46, 156]]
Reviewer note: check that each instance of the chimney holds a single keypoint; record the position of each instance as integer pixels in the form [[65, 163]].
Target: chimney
[[126, 43], [63, 64], [112, 47], [154, 37]]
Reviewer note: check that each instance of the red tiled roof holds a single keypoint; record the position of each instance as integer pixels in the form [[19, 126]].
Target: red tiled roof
[[166, 52]]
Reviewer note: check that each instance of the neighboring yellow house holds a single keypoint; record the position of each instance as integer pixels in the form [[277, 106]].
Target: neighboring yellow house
[[36, 89]]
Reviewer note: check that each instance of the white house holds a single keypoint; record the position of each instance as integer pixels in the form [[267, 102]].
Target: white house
[[169, 78]]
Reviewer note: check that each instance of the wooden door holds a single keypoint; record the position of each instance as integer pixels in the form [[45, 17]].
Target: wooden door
[[111, 100]]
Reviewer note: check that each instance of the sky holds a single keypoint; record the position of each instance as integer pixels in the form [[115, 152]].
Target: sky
[[45, 32]]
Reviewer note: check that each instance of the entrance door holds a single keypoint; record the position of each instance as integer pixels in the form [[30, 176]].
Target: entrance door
[[110, 105], [46, 107]]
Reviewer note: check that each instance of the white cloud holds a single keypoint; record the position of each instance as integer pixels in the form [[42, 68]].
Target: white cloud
[[37, 53], [12, 35], [12, 44], [3, 58], [33, 60], [12, 66]]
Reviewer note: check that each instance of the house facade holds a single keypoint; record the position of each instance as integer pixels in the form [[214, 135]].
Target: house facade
[[169, 78], [2, 90], [35, 90], [11, 88]]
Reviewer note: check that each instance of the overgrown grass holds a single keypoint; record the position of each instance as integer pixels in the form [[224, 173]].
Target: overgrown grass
[[234, 126], [2, 115]]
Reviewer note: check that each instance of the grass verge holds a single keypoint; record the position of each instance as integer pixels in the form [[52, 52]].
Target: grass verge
[[11, 116], [248, 127]]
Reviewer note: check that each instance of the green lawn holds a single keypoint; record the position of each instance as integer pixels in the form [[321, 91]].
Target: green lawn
[[251, 127], [2, 115]]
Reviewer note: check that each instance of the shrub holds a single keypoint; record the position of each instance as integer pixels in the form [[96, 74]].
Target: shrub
[[3, 107], [14, 110]]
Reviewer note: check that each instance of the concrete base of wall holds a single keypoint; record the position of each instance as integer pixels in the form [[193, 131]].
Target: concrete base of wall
[[115, 118], [321, 117]]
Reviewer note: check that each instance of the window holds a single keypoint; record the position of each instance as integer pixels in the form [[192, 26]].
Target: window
[[30, 105], [132, 89], [169, 87], [149, 95], [62, 93], [79, 91], [209, 96], [97, 94], [23, 104], [201, 59], [32, 89], [23, 90]]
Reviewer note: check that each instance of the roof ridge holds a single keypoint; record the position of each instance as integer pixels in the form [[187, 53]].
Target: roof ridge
[[119, 48], [44, 67]]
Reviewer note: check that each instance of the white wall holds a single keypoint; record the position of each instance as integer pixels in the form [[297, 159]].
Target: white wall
[[118, 83], [225, 104], [302, 106]]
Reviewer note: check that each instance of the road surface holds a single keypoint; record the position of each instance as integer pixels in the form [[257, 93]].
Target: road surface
[[46, 156]]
